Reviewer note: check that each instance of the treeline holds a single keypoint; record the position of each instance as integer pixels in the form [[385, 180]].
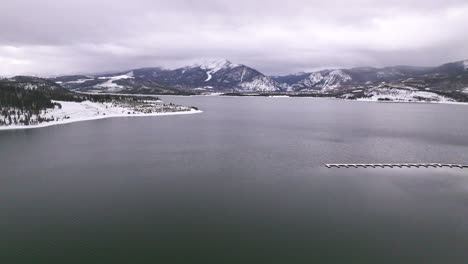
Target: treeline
[[21, 106], [12, 97], [26, 117]]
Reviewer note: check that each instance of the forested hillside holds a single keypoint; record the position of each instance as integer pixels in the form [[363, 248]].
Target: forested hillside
[[24, 100]]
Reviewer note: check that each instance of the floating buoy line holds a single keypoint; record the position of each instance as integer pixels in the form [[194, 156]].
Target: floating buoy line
[[398, 165]]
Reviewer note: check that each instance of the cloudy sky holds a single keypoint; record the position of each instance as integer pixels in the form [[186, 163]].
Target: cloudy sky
[[48, 37]]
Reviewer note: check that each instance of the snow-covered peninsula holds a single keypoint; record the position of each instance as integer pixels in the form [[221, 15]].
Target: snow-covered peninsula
[[68, 112]]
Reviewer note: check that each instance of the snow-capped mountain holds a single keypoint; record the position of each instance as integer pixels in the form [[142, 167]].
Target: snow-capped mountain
[[218, 75], [209, 76], [211, 67]]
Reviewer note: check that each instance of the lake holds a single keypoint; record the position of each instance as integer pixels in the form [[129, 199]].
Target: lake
[[242, 182]]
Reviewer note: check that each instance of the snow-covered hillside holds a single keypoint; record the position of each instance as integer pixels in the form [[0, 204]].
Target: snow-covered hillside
[[313, 79], [110, 85], [323, 81], [77, 81], [402, 95], [334, 80], [259, 84]]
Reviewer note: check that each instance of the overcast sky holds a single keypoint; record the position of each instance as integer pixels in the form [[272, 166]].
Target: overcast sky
[[46, 37]]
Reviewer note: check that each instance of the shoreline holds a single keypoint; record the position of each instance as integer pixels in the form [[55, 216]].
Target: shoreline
[[289, 96], [330, 98], [413, 102], [342, 99], [68, 121]]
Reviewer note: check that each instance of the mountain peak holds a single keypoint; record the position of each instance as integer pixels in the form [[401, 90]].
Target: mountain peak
[[215, 64]]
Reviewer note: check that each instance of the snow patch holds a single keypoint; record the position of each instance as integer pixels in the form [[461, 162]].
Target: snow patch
[[128, 75], [260, 83], [242, 75], [209, 76], [315, 78], [110, 86], [30, 86], [335, 79], [79, 81]]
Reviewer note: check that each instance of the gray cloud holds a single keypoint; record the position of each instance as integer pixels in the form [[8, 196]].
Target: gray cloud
[[59, 37]]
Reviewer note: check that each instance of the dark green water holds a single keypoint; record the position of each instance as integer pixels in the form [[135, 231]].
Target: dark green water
[[243, 182]]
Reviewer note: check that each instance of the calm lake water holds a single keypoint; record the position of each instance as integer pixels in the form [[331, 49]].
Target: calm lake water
[[243, 182]]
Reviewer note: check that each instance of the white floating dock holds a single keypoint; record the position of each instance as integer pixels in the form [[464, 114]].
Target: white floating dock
[[398, 165]]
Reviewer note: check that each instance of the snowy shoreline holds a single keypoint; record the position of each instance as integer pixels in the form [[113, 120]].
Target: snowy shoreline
[[405, 102], [366, 100], [369, 100], [67, 121], [72, 112]]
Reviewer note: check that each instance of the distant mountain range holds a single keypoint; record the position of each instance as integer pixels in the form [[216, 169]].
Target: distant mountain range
[[222, 76], [225, 76], [447, 77], [213, 76]]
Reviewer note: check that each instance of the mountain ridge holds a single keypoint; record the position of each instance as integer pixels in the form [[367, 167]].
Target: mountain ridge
[[217, 75], [223, 76]]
